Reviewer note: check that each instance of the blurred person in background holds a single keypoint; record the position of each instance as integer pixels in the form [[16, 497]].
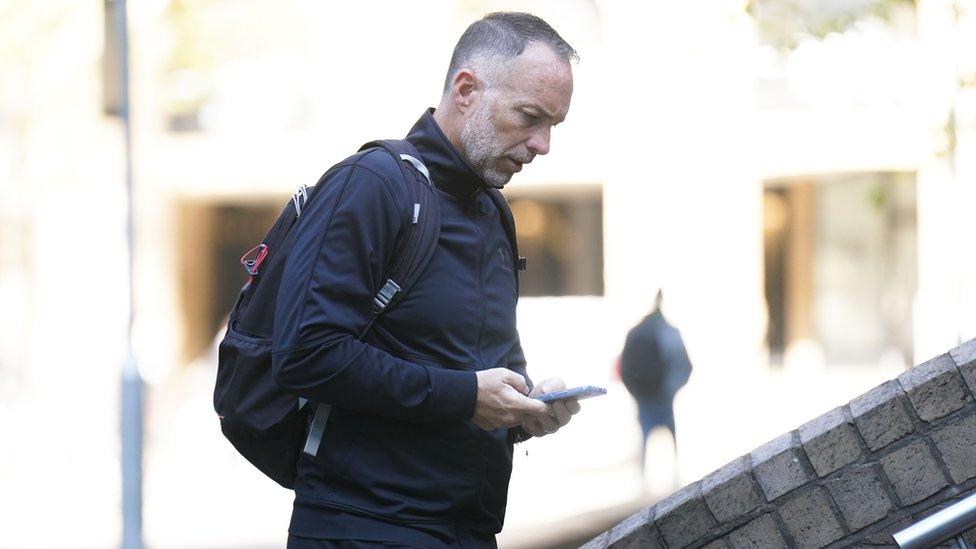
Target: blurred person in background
[[418, 448], [654, 365]]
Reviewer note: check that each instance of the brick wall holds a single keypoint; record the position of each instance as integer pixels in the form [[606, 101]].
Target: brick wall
[[850, 477]]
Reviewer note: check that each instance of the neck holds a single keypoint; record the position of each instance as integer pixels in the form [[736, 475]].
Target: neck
[[449, 121]]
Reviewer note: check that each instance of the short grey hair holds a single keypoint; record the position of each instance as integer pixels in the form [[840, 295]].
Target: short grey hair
[[502, 36]]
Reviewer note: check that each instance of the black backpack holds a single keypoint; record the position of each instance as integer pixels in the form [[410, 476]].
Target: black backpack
[[265, 424], [654, 362]]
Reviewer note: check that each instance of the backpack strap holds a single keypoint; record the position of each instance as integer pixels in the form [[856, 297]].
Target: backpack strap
[[411, 254], [414, 250]]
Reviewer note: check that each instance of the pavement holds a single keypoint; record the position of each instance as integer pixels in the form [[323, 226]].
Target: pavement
[[565, 488]]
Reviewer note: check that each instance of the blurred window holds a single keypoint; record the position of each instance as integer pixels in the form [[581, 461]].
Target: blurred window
[[560, 232], [841, 266]]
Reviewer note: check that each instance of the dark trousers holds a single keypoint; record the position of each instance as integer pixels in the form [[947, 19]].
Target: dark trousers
[[653, 413], [462, 540], [295, 542]]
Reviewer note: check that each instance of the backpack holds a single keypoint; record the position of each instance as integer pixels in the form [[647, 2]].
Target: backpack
[[654, 362], [265, 424]]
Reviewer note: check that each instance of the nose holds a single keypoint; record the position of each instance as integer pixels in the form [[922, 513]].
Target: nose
[[538, 142]]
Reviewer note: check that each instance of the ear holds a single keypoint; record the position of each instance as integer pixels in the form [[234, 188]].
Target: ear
[[464, 87]]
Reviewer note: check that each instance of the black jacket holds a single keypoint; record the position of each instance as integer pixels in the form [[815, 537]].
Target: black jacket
[[399, 444]]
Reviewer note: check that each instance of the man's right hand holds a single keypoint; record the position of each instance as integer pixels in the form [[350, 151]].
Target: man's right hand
[[502, 401]]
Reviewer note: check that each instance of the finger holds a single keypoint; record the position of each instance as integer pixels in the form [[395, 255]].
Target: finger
[[548, 424], [534, 428], [551, 385], [561, 413], [573, 406], [517, 381]]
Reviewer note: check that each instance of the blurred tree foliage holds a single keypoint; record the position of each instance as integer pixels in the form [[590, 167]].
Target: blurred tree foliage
[[210, 34], [784, 23]]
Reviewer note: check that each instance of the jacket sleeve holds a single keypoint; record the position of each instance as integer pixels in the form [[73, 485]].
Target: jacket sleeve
[[336, 265]]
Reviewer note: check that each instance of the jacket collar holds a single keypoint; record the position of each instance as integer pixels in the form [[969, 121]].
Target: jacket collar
[[447, 169]]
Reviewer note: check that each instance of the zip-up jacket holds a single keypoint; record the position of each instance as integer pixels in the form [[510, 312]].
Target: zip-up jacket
[[399, 445]]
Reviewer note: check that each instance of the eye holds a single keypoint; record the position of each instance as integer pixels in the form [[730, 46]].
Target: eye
[[528, 118]]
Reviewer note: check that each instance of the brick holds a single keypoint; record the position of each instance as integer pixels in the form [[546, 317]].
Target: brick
[[761, 532], [730, 492], [884, 537], [880, 415], [965, 358], [809, 518], [914, 472], [830, 441], [935, 388], [860, 496], [635, 531], [778, 467], [876, 541], [599, 542], [956, 444], [683, 517]]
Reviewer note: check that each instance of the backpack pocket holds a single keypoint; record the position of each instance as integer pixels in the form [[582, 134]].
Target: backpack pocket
[[263, 422]]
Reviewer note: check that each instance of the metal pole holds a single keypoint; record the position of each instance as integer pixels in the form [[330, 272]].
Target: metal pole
[[947, 523], [131, 423]]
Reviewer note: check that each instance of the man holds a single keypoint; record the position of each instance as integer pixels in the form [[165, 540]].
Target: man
[[653, 366], [417, 451]]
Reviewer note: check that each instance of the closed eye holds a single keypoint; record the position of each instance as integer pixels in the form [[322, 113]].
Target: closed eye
[[529, 118]]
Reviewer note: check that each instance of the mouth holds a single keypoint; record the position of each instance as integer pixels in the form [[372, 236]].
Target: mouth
[[516, 165]]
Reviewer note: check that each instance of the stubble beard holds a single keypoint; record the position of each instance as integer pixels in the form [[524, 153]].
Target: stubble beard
[[481, 145]]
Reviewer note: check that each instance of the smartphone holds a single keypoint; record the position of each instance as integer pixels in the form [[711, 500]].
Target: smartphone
[[578, 393]]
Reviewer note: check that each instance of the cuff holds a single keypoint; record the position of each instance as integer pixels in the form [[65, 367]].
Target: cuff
[[517, 434], [454, 392]]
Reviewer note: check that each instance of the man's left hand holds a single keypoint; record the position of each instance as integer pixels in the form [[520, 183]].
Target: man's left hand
[[560, 411]]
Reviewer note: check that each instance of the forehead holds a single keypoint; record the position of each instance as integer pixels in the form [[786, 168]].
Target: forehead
[[538, 76]]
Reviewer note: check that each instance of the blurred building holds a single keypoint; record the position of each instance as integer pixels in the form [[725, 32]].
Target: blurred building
[[802, 200]]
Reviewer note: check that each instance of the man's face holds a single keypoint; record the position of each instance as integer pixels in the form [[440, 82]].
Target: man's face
[[511, 122]]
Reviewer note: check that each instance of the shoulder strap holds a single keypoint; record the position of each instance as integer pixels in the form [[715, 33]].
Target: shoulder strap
[[508, 223], [411, 254], [414, 250]]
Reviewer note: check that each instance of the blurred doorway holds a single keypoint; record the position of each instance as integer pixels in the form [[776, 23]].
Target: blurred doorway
[[841, 267], [213, 237]]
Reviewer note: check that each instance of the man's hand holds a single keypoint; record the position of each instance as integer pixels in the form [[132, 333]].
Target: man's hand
[[502, 401], [560, 411]]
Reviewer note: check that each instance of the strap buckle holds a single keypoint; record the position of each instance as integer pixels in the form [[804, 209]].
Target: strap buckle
[[315, 432], [299, 199], [385, 295]]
